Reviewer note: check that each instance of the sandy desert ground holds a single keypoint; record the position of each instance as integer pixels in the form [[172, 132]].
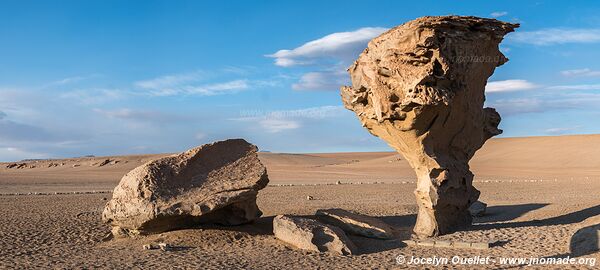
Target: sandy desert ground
[[538, 190]]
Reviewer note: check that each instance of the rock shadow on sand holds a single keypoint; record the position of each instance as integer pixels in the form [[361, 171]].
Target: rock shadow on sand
[[502, 213], [403, 230], [570, 218]]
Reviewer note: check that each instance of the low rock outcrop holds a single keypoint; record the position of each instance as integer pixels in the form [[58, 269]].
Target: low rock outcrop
[[356, 224], [310, 234], [213, 183], [587, 239], [477, 209], [420, 87]]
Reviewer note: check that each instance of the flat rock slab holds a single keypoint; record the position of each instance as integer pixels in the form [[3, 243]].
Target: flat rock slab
[[356, 224], [213, 183], [309, 234]]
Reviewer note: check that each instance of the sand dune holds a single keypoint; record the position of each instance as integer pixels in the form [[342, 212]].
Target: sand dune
[[558, 157]]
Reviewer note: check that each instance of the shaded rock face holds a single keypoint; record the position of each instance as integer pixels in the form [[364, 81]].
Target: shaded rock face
[[420, 87], [213, 183], [587, 239], [310, 234], [477, 209], [356, 224]]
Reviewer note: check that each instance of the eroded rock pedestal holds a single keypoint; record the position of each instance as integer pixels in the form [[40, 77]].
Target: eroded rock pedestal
[[420, 87]]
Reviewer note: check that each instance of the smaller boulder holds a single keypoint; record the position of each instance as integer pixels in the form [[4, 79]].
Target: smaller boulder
[[477, 209], [587, 239], [312, 235], [356, 224]]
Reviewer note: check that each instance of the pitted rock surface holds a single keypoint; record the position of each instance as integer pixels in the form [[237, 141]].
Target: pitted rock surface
[[420, 87]]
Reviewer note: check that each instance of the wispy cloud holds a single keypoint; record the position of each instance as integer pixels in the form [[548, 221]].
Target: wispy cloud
[[336, 45], [68, 80], [169, 81], [15, 153], [278, 125], [217, 88], [498, 14], [509, 86], [16, 131], [326, 80], [553, 101], [282, 120], [94, 96], [576, 87], [200, 136], [311, 113], [584, 72], [72, 80], [553, 36], [155, 116], [189, 84], [518, 105], [560, 130]]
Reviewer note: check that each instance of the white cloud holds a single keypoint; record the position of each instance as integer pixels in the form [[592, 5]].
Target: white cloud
[[94, 95], [187, 84], [585, 72], [331, 54], [200, 136], [560, 130], [336, 45], [169, 81], [16, 154], [576, 87], [281, 120], [549, 102], [509, 86], [68, 80], [328, 80], [217, 88], [553, 36], [16, 131], [518, 105], [278, 125], [498, 14], [154, 116], [307, 113], [74, 79]]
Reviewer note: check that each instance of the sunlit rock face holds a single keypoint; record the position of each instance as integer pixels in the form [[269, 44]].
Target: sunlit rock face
[[213, 183], [420, 87]]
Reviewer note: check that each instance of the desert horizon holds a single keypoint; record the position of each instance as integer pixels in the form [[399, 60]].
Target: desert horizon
[[535, 158]]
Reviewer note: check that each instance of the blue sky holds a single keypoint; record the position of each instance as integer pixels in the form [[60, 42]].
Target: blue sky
[[125, 77]]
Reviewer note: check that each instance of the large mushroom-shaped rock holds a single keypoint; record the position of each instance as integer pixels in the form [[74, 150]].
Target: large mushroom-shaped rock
[[213, 183], [310, 234], [420, 87]]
